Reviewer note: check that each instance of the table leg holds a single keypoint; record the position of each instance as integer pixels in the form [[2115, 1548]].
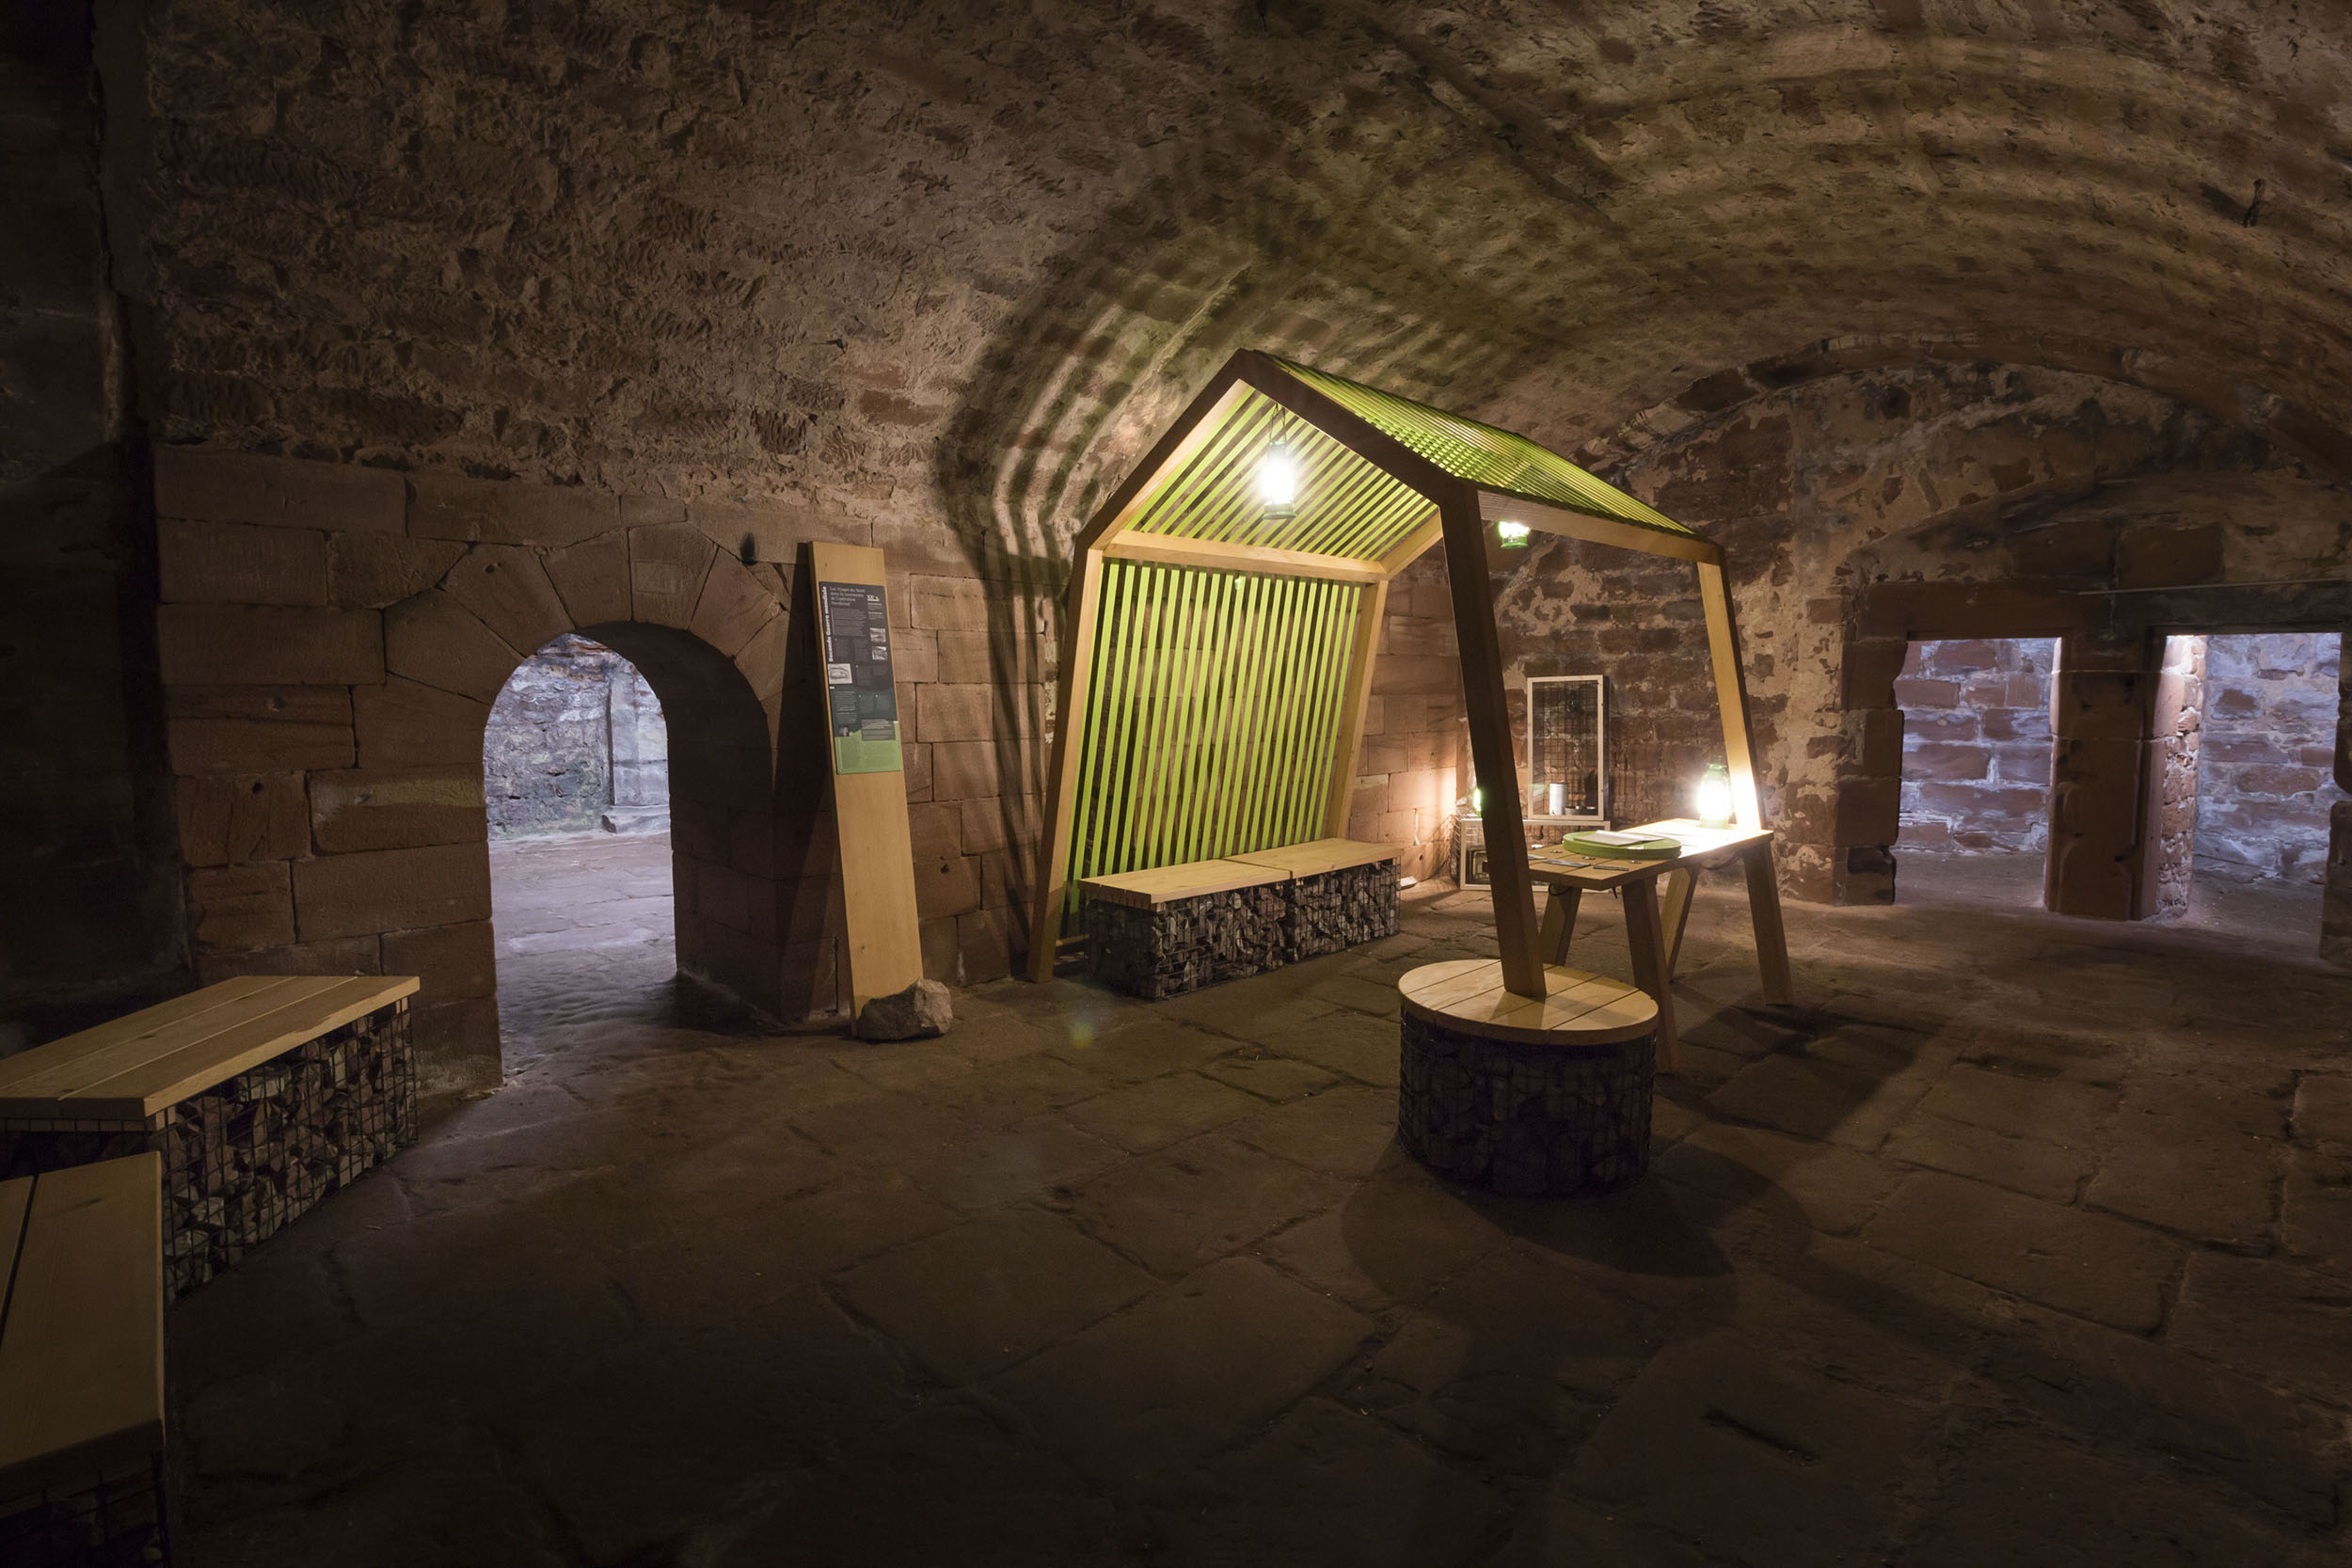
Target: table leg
[[1647, 941], [1559, 923], [1682, 882], [1772, 941]]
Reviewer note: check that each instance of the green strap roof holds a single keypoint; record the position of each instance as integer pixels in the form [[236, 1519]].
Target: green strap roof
[[1488, 458]]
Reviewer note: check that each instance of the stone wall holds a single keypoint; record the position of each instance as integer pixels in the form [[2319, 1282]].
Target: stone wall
[[1976, 744], [2265, 790], [90, 925], [576, 741], [1415, 761]]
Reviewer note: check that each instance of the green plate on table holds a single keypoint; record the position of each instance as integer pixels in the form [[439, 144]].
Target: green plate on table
[[1622, 847]]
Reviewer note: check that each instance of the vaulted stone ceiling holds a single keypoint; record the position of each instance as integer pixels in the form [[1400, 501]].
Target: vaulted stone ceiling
[[962, 261]]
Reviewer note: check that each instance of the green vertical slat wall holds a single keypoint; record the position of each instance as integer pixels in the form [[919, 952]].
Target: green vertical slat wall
[[1211, 716]]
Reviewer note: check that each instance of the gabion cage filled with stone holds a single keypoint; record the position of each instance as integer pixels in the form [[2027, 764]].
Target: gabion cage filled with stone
[[115, 1522], [1336, 910], [1186, 944], [255, 1150], [1521, 1118]]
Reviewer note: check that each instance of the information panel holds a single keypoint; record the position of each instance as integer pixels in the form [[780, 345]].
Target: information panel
[[860, 696]]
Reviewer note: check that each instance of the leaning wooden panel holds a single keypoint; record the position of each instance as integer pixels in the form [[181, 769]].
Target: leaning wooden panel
[[883, 945], [81, 1347], [1076, 682]]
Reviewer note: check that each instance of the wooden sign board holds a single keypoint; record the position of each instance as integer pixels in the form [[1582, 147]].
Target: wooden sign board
[[882, 943]]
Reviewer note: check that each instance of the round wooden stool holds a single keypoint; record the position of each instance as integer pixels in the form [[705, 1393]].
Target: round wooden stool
[[1525, 1095]]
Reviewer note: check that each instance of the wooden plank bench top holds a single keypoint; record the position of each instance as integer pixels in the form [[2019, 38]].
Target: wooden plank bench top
[[82, 1337], [1164, 885], [135, 1066], [1318, 856], [1467, 995]]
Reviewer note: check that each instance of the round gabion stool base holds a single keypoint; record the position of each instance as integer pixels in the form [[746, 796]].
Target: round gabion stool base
[[1525, 1097]]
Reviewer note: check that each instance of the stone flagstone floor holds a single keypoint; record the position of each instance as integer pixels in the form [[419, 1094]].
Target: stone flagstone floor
[[2028, 1240]]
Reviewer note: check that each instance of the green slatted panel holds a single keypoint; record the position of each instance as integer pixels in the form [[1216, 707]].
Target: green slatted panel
[[1213, 709], [1347, 506], [1482, 453]]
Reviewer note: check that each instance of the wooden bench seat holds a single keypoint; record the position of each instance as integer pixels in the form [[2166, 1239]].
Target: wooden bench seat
[[1174, 928], [262, 1094], [81, 1362]]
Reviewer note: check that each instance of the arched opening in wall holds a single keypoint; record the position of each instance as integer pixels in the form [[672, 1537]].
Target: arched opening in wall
[[1975, 775], [2266, 737], [575, 777]]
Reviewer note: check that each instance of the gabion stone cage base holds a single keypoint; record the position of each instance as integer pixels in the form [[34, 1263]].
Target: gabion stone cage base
[[246, 1155], [1336, 910], [1188, 942], [118, 1521], [1525, 1119]]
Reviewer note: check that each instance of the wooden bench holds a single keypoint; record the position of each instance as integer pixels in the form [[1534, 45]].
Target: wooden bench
[[262, 1094], [1175, 929], [1525, 1095], [81, 1366]]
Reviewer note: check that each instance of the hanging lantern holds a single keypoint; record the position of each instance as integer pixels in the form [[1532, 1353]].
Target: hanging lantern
[[1512, 536], [1277, 482], [1714, 797]]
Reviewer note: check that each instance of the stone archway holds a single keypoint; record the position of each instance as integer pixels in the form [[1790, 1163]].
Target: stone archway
[[329, 683]]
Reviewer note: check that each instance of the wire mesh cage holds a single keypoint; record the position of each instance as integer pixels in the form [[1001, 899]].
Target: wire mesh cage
[[118, 1521], [1566, 747]]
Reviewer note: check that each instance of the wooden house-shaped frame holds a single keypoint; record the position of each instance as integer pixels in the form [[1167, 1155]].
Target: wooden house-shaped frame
[[1217, 651]]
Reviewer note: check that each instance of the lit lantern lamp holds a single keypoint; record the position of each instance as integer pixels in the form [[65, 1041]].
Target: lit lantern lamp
[[1277, 482], [1512, 536], [1715, 796]]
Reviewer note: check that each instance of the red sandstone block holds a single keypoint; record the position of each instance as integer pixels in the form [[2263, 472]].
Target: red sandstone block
[[1870, 811], [963, 713], [765, 657], [941, 956], [229, 818], [1961, 657], [508, 591], [947, 885], [1426, 675], [2103, 706], [403, 723], [372, 570], [984, 940], [269, 644], [1877, 736], [722, 894], [937, 831], [1947, 763], [241, 563], [1868, 671], [651, 511], [401, 808], [258, 728], [920, 547], [971, 770], [667, 566], [393, 890], [435, 641], [1916, 692], [946, 604], [239, 488], [734, 606], [2280, 782], [1411, 635], [445, 505], [965, 657], [241, 907], [343, 956], [455, 962], [2165, 557], [1007, 822], [918, 760], [592, 579]]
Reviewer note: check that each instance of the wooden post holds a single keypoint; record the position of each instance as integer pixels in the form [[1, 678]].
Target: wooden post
[[1731, 692], [1073, 683], [1491, 760], [884, 948], [1363, 656]]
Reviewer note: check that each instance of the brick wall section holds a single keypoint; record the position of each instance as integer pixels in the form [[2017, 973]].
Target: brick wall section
[[1975, 722], [328, 681], [2265, 787]]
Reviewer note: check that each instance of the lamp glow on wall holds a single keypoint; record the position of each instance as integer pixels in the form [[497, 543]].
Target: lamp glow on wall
[[1714, 797], [1277, 482], [1512, 536]]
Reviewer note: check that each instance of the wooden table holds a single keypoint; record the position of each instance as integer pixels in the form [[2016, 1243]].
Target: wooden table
[[1654, 938]]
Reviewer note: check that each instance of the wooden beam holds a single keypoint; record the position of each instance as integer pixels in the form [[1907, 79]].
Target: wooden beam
[[1349, 429], [1076, 683], [1363, 656], [1411, 548], [882, 943], [1502, 506], [1492, 763], [1213, 555], [1731, 694], [1202, 419]]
